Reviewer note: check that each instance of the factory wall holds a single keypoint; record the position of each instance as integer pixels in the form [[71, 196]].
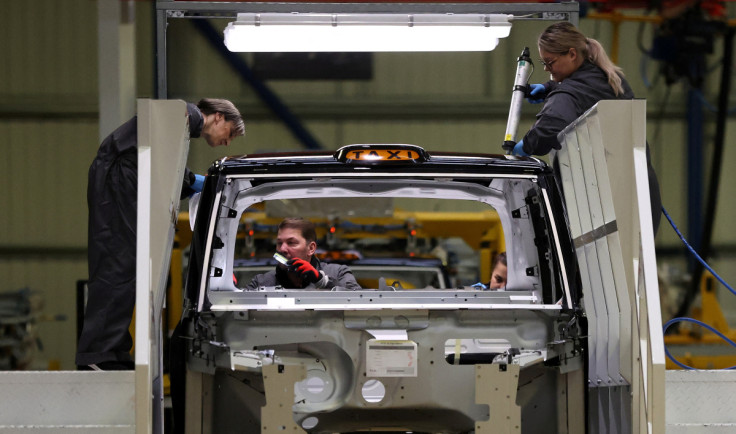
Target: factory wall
[[49, 128]]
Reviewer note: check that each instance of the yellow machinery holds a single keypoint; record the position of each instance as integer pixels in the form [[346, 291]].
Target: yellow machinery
[[482, 231], [703, 349]]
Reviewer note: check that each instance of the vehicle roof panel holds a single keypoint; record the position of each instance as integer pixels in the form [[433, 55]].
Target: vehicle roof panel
[[324, 161]]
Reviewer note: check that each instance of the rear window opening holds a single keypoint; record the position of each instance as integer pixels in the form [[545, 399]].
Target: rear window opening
[[396, 235]]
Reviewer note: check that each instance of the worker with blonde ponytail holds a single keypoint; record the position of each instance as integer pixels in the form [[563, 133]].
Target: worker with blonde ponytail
[[581, 74]]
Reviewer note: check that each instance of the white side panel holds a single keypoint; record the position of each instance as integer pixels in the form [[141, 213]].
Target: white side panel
[[590, 140], [569, 175], [603, 169], [597, 250], [603, 216], [163, 143], [576, 193], [701, 401], [99, 402], [619, 142], [650, 319]]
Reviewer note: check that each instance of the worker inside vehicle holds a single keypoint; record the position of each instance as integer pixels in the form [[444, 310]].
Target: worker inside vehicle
[[296, 243], [498, 275]]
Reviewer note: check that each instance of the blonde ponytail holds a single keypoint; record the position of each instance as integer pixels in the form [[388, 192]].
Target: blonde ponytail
[[561, 37], [598, 56]]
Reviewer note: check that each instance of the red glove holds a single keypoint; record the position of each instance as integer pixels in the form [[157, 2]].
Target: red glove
[[304, 269]]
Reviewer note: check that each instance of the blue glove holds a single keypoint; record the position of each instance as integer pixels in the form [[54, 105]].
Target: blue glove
[[198, 183], [519, 149], [479, 286], [537, 93]]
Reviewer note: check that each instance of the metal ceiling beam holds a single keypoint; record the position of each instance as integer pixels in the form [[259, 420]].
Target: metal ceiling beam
[[166, 10], [553, 11], [567, 11]]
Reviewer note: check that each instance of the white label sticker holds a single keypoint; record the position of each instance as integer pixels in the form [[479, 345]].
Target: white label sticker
[[391, 358]]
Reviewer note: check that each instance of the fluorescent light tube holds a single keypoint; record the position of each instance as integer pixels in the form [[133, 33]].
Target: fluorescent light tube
[[297, 32]]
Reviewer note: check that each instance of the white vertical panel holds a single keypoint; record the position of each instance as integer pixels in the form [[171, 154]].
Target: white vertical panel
[[614, 146], [163, 144], [65, 402], [572, 161], [599, 198], [611, 256], [700, 401]]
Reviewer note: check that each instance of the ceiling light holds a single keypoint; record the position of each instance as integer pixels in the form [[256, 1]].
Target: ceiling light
[[298, 32]]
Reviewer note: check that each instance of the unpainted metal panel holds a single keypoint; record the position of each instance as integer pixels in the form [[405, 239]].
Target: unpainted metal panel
[[626, 154], [571, 161], [614, 145], [95, 429], [600, 133], [618, 156], [603, 217], [601, 310], [608, 140], [650, 318], [594, 184], [700, 397], [66, 399], [568, 167], [612, 251], [279, 384], [496, 385]]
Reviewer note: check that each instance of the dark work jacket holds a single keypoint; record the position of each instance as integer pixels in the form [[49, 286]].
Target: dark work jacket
[[112, 197], [338, 275], [567, 101], [122, 144]]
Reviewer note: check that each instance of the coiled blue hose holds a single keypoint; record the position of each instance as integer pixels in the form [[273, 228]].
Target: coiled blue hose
[[691, 320]]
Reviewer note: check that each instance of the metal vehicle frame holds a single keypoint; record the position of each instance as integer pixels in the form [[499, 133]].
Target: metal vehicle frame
[[235, 335]]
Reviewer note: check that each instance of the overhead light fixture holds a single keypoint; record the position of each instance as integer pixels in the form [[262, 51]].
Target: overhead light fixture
[[301, 32]]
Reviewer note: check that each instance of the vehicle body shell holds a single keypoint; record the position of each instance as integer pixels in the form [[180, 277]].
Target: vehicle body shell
[[354, 379]]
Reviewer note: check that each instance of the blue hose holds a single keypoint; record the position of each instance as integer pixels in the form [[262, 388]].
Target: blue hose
[[689, 247], [691, 320], [700, 323]]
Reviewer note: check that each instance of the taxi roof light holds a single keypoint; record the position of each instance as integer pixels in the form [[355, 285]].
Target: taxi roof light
[[381, 154]]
